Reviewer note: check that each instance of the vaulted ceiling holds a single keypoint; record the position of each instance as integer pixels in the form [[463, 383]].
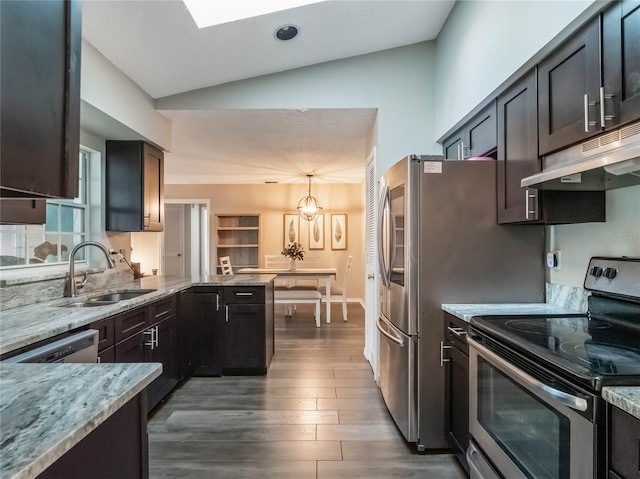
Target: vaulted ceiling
[[158, 45]]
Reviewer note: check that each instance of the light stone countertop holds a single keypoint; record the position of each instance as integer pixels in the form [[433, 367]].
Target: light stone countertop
[[626, 398], [467, 311], [46, 409], [27, 325]]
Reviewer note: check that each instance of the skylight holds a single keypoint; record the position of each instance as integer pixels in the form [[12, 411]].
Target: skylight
[[216, 12]]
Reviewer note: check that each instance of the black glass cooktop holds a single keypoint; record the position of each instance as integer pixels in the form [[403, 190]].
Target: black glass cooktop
[[576, 344]]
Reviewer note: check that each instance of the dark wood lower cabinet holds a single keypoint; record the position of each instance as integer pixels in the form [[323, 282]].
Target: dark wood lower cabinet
[[164, 350], [132, 349], [457, 387], [207, 330], [248, 329], [624, 445], [244, 343], [117, 448], [156, 343], [107, 355]]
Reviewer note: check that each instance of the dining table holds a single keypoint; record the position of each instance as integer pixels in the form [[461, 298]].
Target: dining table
[[301, 273]]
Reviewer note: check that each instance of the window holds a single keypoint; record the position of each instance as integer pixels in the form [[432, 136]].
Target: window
[[51, 243]]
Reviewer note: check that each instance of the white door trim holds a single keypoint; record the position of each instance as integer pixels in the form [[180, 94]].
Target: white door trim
[[205, 247], [371, 347]]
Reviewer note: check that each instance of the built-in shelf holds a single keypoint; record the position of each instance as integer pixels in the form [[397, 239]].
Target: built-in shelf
[[238, 236]]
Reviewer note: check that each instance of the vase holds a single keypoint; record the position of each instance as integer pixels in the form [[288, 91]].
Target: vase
[[292, 264]]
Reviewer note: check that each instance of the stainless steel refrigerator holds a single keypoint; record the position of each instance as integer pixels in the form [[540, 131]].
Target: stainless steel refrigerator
[[439, 242]]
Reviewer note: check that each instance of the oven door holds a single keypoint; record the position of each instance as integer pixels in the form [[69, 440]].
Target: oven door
[[526, 428]]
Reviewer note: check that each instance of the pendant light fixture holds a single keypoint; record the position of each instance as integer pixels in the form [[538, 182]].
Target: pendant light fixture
[[309, 207]]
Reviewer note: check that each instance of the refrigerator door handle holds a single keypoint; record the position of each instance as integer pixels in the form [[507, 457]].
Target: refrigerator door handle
[[387, 335], [384, 210]]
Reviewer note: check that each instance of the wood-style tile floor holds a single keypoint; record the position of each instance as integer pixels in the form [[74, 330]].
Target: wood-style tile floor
[[317, 414]]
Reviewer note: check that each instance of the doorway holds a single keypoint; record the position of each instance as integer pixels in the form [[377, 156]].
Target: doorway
[[186, 238]]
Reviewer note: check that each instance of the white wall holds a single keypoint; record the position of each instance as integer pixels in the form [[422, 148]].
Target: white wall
[[398, 82], [484, 42], [116, 101], [619, 236]]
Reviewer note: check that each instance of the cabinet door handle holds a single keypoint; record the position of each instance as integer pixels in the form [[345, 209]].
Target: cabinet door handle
[[217, 302], [157, 336], [587, 123], [527, 200], [152, 341], [442, 358], [457, 332], [604, 118], [462, 150], [226, 313]]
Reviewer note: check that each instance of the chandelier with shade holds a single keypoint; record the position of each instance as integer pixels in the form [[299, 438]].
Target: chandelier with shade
[[309, 206]]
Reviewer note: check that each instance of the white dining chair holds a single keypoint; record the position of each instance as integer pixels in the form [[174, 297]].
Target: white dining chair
[[340, 292], [225, 265]]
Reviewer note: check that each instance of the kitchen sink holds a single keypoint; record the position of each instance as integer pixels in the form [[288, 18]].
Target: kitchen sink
[[120, 295], [89, 304], [109, 298]]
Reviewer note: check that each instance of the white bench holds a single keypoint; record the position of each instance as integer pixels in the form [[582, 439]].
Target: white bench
[[288, 296]]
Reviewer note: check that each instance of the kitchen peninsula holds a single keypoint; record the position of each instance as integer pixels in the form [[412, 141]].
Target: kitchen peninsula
[[51, 411]]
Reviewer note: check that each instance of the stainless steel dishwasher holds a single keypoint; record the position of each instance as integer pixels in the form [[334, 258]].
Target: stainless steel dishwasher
[[80, 347]]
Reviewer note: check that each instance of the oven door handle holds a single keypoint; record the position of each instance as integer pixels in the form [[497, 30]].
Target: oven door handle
[[574, 402]]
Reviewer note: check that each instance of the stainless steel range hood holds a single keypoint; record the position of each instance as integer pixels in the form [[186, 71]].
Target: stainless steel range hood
[[608, 161]]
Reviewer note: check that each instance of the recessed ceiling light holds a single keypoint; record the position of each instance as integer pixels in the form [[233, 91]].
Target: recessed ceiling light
[[286, 32]]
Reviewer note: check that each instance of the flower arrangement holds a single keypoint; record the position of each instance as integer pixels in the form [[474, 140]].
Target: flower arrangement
[[293, 251]]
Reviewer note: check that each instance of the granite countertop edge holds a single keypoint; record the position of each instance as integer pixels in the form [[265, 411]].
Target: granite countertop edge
[[29, 447], [26, 325], [626, 398], [467, 311]]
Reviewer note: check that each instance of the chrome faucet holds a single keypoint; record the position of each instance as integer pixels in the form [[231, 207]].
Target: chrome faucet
[[72, 291]]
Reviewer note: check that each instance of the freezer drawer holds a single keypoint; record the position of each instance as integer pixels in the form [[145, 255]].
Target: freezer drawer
[[398, 377]]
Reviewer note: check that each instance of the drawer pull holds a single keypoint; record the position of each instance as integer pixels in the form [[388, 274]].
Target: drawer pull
[[244, 294]]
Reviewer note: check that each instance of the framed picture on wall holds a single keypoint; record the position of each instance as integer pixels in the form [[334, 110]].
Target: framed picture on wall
[[339, 231], [316, 233], [291, 232]]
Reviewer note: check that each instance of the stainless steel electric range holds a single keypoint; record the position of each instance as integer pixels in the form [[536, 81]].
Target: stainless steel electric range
[[535, 405]]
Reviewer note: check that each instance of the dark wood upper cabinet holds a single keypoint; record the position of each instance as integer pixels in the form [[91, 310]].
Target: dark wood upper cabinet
[[517, 151], [476, 138], [590, 84], [134, 186], [40, 46], [621, 62], [23, 211], [453, 146], [569, 89], [518, 158]]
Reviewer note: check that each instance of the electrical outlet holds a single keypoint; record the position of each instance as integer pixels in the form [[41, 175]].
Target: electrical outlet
[[553, 260]]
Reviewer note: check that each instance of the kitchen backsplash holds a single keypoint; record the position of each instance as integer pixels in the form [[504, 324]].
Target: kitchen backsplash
[[568, 297], [36, 289]]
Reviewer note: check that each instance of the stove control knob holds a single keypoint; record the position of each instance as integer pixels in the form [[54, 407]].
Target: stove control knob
[[596, 271], [610, 273]]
